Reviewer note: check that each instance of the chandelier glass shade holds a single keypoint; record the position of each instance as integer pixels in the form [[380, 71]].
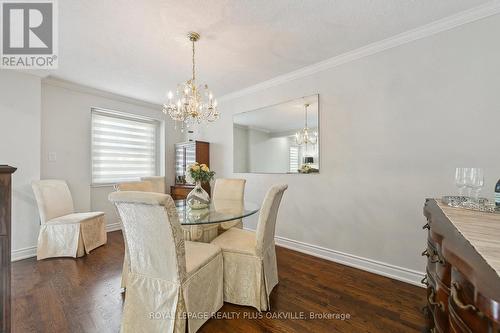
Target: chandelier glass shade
[[306, 136], [192, 103]]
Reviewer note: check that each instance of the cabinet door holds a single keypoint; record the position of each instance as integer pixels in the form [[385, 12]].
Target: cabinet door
[[5, 194], [4, 284], [180, 165], [190, 150], [190, 153]]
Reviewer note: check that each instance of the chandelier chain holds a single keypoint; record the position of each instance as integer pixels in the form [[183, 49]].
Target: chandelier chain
[[305, 113], [194, 75]]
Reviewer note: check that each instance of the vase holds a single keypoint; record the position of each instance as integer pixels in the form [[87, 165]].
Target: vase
[[198, 198]]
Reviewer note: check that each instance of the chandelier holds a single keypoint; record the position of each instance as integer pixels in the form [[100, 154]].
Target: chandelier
[[305, 136], [193, 104]]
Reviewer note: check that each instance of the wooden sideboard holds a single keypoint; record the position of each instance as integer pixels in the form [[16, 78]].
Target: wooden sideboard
[[5, 230], [463, 269], [180, 191]]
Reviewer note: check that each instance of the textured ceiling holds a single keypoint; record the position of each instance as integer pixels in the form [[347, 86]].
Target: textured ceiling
[[138, 48]]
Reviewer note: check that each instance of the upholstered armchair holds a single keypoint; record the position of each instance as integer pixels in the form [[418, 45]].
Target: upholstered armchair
[[229, 189], [64, 233], [169, 279], [250, 269]]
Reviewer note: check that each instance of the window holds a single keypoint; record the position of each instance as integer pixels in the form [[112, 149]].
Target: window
[[124, 147], [294, 159]]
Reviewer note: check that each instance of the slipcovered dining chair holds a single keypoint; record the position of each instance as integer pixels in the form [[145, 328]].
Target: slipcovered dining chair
[[143, 186], [229, 189], [169, 278], [250, 269], [157, 183], [64, 233]]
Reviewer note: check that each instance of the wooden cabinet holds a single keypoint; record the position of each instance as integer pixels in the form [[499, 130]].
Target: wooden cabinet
[[187, 153], [5, 240], [463, 265], [179, 192]]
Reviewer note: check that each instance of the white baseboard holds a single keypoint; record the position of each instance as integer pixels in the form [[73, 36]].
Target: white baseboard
[[113, 226], [23, 253], [29, 252], [369, 265]]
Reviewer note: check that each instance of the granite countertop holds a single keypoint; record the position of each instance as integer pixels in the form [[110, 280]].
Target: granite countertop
[[481, 229]]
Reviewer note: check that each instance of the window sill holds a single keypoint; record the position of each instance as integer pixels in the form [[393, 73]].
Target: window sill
[[102, 185]]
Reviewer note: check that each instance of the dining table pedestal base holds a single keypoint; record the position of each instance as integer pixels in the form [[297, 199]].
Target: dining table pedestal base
[[200, 233]]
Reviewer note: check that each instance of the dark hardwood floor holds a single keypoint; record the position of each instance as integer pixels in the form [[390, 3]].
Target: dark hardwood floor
[[83, 295]]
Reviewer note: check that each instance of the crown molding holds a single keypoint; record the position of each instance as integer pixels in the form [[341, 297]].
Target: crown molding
[[57, 82], [489, 9]]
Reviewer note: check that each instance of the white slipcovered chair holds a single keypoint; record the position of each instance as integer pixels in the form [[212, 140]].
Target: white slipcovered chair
[[169, 279], [199, 233], [226, 189], [250, 269], [143, 186], [157, 182], [64, 233]]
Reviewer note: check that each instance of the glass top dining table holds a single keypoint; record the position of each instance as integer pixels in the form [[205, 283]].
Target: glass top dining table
[[218, 211]]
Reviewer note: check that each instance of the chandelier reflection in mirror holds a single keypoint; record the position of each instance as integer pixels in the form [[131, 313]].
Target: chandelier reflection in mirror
[[193, 104], [305, 136]]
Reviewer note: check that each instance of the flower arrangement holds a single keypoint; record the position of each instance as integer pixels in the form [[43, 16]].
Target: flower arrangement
[[199, 173]]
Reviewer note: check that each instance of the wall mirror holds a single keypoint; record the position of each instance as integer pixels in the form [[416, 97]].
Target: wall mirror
[[281, 138]]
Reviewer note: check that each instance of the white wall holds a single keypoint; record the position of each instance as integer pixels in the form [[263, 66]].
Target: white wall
[[240, 157], [20, 147], [66, 119], [278, 157], [393, 127], [259, 151]]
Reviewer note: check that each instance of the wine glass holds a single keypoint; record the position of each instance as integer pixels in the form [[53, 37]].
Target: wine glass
[[476, 182], [460, 180]]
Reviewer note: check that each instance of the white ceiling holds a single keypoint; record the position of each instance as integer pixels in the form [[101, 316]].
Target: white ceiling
[[138, 48], [283, 117]]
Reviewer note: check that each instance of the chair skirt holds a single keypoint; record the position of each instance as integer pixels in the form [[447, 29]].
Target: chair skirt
[[248, 279], [71, 239], [156, 305]]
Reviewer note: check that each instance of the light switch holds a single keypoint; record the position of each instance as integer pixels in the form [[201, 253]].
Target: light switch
[[52, 156]]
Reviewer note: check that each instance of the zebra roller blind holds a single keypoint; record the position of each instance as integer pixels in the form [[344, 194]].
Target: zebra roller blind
[[293, 155], [124, 147]]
